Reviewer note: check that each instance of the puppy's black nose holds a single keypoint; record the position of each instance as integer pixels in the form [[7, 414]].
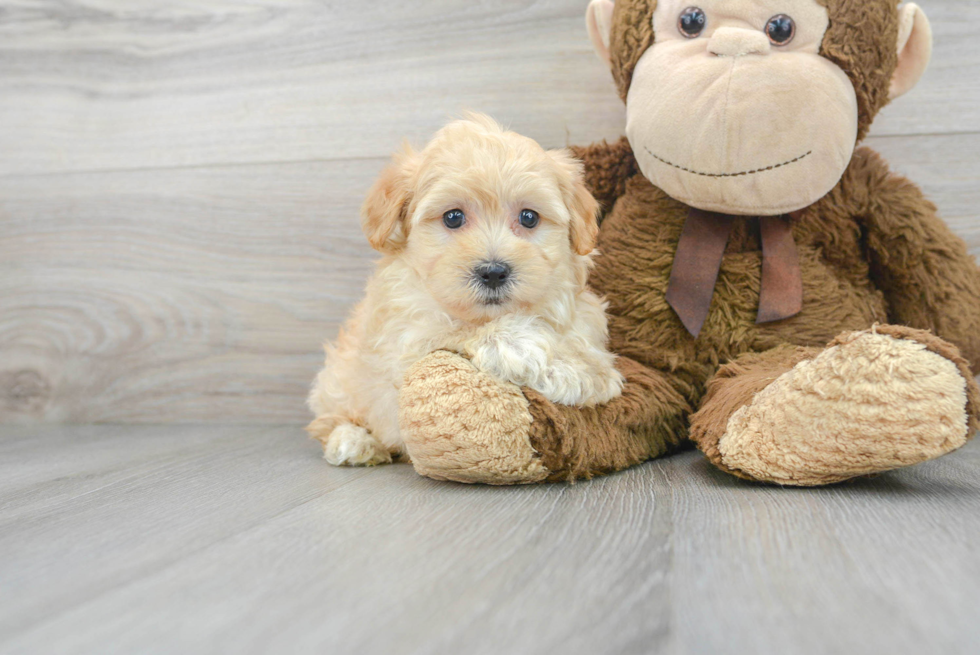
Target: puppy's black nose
[[493, 275]]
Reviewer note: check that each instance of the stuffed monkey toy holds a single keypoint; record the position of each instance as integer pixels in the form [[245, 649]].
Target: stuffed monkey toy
[[776, 294]]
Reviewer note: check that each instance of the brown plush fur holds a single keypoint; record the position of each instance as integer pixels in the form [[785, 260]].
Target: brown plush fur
[[631, 35], [854, 39], [612, 167], [646, 421]]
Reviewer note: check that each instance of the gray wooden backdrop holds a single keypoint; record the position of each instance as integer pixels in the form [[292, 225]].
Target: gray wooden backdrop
[[179, 179]]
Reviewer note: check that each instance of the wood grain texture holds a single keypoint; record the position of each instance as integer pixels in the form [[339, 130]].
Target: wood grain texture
[[106, 84], [188, 294], [179, 181], [188, 539]]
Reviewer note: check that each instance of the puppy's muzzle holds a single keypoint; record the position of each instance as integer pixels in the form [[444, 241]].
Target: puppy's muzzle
[[492, 275]]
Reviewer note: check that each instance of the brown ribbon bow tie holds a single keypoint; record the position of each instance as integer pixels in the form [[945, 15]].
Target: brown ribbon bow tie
[[698, 261]]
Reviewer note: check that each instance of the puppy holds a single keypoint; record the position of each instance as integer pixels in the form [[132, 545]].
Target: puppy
[[487, 242]]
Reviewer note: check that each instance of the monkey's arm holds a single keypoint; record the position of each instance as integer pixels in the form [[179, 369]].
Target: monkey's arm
[[646, 421], [929, 279], [459, 423], [608, 166]]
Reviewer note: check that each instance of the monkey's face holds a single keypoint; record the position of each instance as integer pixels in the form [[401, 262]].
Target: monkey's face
[[755, 106], [732, 109]]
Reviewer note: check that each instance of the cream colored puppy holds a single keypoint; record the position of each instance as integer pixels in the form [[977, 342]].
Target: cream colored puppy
[[487, 242]]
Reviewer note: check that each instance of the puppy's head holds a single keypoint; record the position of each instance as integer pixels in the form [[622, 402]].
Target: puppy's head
[[489, 220]]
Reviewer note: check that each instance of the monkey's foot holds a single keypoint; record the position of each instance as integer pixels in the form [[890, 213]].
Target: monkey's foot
[[461, 424], [872, 401]]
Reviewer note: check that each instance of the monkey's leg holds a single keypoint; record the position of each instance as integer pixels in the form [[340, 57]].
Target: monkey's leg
[[460, 424], [871, 401]]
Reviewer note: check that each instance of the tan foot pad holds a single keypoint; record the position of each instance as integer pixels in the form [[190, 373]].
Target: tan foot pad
[[461, 424], [871, 403]]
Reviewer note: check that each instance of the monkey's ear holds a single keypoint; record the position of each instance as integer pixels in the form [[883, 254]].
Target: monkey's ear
[[914, 49], [384, 215], [582, 207], [598, 20]]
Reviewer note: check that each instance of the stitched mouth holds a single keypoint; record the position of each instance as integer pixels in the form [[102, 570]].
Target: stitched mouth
[[752, 172]]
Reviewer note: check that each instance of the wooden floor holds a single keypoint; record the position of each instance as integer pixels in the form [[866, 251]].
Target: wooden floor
[[163, 539]]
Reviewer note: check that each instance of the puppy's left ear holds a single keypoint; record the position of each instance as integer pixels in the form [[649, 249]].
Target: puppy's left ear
[[584, 209], [384, 215]]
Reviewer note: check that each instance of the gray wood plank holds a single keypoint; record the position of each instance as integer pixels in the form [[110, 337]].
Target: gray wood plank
[[245, 541], [96, 512], [204, 294], [185, 294], [947, 168], [102, 84], [886, 565]]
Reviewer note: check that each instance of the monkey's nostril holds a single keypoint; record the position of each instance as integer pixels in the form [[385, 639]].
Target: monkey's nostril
[[493, 275]]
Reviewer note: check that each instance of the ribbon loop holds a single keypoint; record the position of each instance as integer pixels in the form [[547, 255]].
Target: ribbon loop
[[697, 264], [781, 295]]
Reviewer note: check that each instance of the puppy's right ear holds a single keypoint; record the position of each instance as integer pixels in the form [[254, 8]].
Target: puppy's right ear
[[582, 206], [384, 215]]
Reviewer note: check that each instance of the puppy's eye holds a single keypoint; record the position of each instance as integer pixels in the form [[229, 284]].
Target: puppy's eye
[[454, 219], [529, 219], [780, 29], [692, 22]]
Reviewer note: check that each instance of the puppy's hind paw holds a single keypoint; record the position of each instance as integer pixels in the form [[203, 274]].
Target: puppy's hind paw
[[352, 445]]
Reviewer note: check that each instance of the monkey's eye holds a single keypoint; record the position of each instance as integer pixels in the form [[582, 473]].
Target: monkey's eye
[[692, 22], [454, 219], [780, 29], [529, 219]]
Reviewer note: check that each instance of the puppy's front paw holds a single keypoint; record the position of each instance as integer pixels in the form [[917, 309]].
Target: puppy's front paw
[[608, 384], [571, 383], [352, 445], [518, 354]]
